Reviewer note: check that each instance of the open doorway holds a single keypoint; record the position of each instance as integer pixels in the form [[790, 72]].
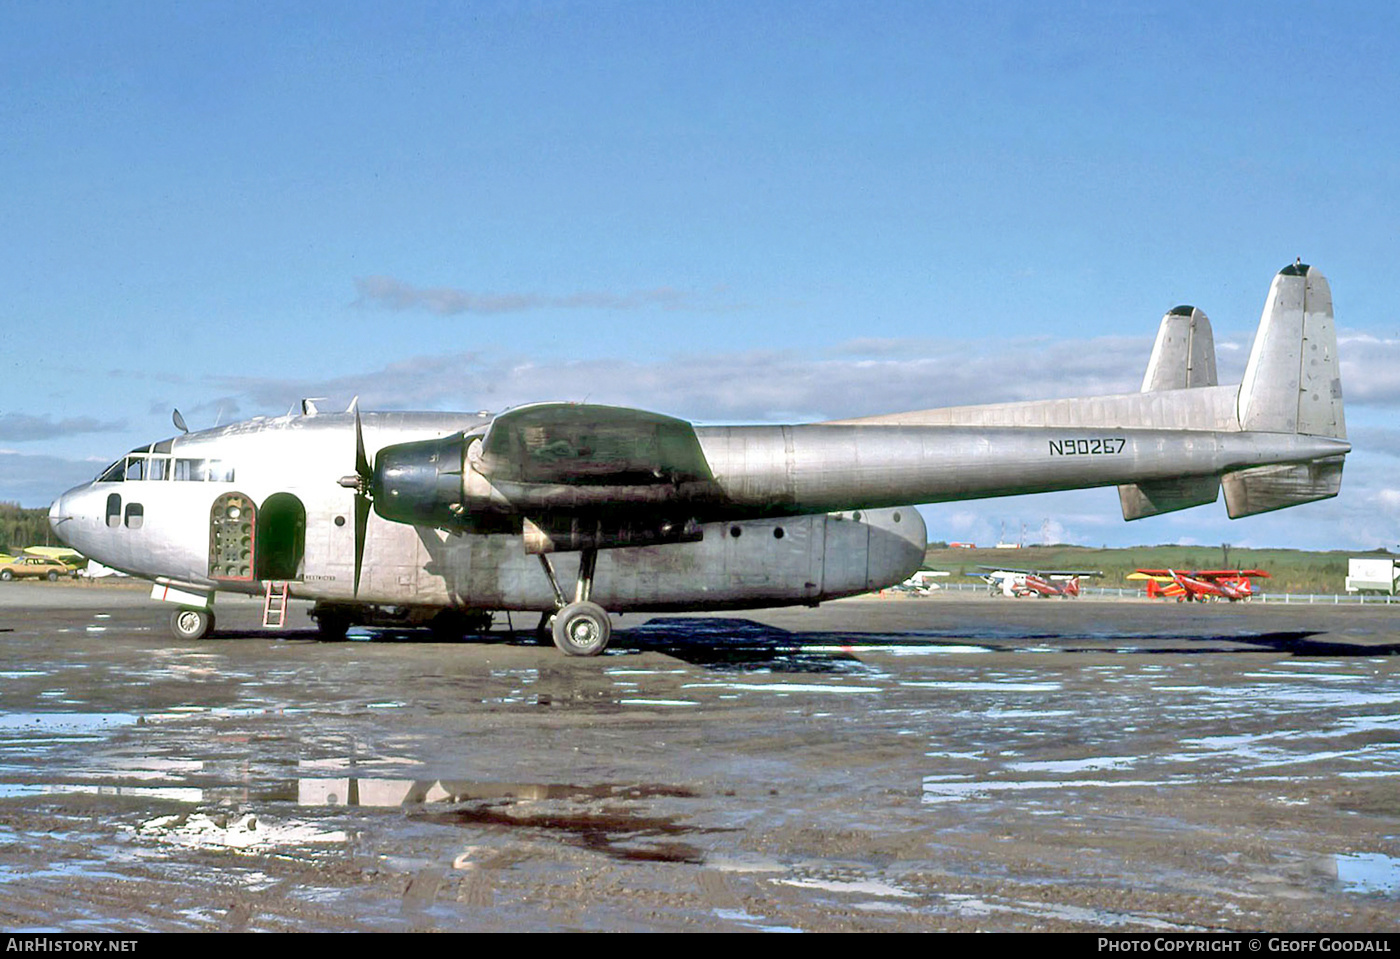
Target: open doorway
[[281, 538]]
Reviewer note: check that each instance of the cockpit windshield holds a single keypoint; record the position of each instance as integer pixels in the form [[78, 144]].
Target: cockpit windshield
[[143, 467]]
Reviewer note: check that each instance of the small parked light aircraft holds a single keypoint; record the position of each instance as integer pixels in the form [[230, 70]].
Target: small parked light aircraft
[[1200, 585], [1044, 583], [444, 518]]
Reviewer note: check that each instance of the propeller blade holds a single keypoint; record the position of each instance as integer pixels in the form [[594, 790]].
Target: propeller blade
[[361, 522], [361, 461], [360, 481]]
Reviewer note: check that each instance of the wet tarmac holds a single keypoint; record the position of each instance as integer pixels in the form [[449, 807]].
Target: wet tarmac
[[883, 764]]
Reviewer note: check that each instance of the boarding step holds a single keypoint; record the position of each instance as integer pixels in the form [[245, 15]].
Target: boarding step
[[275, 605]]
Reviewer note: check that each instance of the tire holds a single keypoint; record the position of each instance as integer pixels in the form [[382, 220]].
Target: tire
[[448, 626], [331, 626], [53, 576], [6, 575], [582, 629], [455, 625], [191, 624]]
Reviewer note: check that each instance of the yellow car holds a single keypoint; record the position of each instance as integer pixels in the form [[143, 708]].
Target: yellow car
[[37, 567]]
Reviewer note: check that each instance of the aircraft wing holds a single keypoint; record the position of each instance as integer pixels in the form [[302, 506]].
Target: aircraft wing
[[1213, 574], [1061, 573]]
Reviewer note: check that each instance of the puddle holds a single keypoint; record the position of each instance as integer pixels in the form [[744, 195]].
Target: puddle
[[987, 687], [853, 887], [64, 722], [976, 907], [1369, 872], [784, 687], [756, 923], [172, 793]]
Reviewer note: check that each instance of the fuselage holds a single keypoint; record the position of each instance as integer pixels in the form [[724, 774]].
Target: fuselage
[[233, 507]]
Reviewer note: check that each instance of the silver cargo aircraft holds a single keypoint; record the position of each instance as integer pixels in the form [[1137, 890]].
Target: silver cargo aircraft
[[442, 518]]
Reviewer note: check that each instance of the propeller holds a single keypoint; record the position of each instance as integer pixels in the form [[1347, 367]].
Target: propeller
[[361, 482]]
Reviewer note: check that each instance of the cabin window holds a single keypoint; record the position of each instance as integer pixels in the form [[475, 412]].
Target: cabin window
[[135, 468], [135, 515], [114, 510], [189, 470], [157, 468], [202, 471]]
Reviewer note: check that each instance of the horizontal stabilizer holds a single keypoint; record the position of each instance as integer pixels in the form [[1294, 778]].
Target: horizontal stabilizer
[[1165, 496], [1266, 488]]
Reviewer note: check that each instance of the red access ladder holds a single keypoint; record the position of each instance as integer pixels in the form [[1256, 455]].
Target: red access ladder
[[275, 604]]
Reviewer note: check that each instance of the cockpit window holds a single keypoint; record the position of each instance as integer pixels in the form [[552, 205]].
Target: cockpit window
[[133, 467]]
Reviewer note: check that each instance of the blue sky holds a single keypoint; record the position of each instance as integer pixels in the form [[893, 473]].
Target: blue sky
[[749, 212]]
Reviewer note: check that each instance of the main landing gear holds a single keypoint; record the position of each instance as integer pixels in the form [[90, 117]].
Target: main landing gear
[[580, 628]]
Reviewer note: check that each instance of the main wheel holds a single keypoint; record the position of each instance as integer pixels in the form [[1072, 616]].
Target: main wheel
[[190, 624], [331, 625], [582, 629], [452, 625]]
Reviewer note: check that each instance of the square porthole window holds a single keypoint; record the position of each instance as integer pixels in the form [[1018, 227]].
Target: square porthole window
[[135, 515]]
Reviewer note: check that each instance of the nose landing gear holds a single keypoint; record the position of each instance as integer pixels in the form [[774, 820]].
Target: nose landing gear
[[191, 624]]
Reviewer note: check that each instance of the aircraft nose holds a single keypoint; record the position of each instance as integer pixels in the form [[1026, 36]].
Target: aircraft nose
[[61, 516], [55, 511]]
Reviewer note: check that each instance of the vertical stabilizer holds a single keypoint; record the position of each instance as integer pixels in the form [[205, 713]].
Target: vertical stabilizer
[[1184, 354], [1182, 358], [1293, 382]]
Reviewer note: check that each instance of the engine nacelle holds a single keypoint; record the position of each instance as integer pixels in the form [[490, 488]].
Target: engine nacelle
[[420, 483]]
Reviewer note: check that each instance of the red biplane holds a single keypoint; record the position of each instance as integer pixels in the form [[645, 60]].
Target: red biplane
[[1200, 585]]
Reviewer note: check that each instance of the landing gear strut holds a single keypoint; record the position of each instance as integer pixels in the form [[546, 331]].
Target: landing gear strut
[[580, 628]]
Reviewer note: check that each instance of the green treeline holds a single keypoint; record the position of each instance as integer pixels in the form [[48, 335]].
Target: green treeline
[[20, 527]]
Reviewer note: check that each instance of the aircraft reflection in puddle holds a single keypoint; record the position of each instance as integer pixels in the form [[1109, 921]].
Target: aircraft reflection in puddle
[[384, 793]]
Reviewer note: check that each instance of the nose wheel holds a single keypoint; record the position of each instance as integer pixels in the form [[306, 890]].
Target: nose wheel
[[580, 628], [191, 624]]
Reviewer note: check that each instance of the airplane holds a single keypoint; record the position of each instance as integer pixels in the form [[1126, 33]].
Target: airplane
[[444, 518], [1032, 582], [1200, 585], [924, 582]]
